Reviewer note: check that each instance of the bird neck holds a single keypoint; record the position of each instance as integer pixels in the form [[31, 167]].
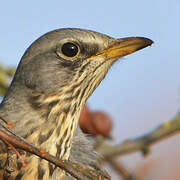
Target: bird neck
[[45, 120], [59, 114]]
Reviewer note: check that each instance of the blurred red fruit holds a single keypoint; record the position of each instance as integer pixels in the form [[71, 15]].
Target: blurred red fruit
[[102, 123], [85, 121], [95, 123]]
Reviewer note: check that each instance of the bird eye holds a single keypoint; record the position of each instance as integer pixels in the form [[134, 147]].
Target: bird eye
[[70, 49]]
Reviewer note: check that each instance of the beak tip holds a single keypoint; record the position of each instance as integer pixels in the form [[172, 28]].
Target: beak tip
[[147, 41], [138, 42]]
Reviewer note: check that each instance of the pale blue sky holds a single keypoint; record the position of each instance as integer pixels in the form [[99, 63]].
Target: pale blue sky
[[141, 90]]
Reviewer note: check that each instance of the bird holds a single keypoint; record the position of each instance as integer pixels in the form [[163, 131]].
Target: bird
[[55, 77]]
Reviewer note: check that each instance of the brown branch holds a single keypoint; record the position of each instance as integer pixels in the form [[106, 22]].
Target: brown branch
[[141, 143], [76, 170], [120, 169]]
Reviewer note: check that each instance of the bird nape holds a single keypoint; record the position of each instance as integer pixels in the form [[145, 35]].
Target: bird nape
[[54, 78]]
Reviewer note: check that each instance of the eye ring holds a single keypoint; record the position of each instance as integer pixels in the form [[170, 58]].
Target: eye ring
[[69, 50]]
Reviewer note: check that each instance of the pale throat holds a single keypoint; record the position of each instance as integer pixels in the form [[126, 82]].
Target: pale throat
[[60, 112], [55, 133], [59, 119]]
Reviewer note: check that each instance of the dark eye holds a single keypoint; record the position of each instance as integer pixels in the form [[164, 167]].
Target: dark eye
[[70, 49]]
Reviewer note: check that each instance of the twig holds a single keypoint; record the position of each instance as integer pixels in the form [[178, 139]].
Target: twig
[[76, 170], [14, 149], [141, 143], [14, 134], [120, 169]]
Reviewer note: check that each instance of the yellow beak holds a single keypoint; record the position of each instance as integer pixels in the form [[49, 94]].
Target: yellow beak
[[124, 46]]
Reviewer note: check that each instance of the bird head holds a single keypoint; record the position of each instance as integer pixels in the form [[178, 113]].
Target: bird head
[[69, 59]]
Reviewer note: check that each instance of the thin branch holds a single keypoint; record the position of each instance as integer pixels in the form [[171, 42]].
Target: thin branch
[[141, 143], [120, 169], [76, 170], [17, 152], [14, 134]]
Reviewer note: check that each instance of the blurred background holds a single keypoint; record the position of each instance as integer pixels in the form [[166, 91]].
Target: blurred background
[[141, 90]]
